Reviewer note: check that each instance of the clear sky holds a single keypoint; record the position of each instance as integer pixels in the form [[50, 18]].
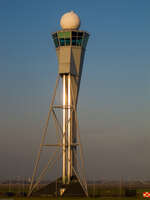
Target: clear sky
[[114, 100]]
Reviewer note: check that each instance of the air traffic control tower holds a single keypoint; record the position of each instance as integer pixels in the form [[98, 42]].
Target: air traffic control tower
[[70, 44]]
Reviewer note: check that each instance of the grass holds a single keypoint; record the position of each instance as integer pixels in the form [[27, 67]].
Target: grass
[[48, 198], [108, 192]]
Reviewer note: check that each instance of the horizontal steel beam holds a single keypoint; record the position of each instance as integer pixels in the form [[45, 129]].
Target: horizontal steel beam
[[60, 145]]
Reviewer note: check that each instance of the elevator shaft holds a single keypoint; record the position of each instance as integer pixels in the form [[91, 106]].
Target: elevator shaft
[[68, 131]]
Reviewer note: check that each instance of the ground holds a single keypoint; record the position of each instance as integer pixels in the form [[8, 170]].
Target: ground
[[101, 198], [108, 193]]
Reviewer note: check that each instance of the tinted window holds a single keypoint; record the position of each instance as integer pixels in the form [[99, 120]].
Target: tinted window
[[62, 42], [67, 41], [56, 42], [64, 34], [73, 41], [67, 34], [80, 34], [79, 41], [74, 33]]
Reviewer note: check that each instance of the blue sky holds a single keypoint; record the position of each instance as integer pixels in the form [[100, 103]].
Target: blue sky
[[114, 106]]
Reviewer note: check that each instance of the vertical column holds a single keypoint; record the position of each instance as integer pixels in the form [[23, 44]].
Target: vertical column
[[74, 138], [64, 129], [69, 130], [75, 85]]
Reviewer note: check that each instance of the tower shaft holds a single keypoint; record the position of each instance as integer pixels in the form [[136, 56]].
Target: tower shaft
[[68, 131], [70, 49]]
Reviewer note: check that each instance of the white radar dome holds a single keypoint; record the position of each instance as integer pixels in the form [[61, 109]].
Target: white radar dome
[[70, 20]]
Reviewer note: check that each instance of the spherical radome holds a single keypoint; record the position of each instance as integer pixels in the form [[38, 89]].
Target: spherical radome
[[70, 20]]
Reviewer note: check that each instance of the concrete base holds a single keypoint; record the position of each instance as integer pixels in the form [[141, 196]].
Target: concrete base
[[56, 188]]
